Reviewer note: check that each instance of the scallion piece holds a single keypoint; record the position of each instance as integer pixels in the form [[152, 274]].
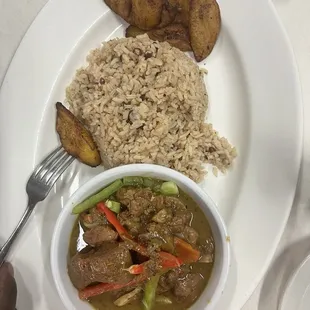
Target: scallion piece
[[113, 206], [150, 292], [169, 188], [132, 181], [149, 182]]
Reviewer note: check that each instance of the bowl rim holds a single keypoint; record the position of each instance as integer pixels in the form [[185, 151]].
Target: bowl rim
[[112, 174]]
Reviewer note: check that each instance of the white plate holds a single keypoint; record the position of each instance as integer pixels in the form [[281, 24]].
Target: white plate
[[297, 292], [254, 101]]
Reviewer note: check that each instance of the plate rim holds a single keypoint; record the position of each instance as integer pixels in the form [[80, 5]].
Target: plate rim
[[300, 114], [300, 121], [291, 280]]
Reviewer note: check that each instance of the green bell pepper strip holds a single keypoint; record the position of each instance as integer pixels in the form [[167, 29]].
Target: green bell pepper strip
[[94, 199]]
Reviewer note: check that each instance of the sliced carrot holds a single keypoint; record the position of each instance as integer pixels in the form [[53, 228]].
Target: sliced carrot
[[98, 289], [185, 251]]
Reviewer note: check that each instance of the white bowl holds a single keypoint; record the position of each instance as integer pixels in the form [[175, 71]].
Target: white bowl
[[60, 241]]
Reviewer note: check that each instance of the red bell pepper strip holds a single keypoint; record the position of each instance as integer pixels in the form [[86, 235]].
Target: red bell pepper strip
[[111, 217], [136, 269], [98, 289], [185, 251], [167, 261], [101, 288]]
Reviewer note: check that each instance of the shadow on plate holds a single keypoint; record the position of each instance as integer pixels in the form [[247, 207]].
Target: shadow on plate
[[282, 268], [280, 272], [287, 261]]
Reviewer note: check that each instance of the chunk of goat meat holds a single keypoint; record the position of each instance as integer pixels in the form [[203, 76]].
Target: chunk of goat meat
[[138, 206], [137, 200], [104, 265], [158, 202], [131, 223], [187, 286], [162, 216], [174, 203], [168, 280], [159, 236], [99, 234], [179, 221], [125, 195], [93, 218]]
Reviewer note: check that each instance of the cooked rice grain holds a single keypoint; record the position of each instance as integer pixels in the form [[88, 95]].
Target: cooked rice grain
[[148, 109]]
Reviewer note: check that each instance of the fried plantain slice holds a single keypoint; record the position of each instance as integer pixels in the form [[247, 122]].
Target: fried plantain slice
[[168, 13], [146, 14], [204, 26], [75, 138], [133, 31], [121, 8], [175, 34], [182, 16]]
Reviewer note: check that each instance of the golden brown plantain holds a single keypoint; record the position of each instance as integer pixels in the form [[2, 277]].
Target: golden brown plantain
[[204, 26], [120, 7], [168, 13], [75, 138], [146, 14], [182, 45], [182, 16], [175, 34], [133, 31]]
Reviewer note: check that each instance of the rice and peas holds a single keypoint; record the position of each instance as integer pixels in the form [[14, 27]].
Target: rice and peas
[[146, 102]]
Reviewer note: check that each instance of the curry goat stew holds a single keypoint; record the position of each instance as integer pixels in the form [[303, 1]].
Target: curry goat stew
[[167, 247]]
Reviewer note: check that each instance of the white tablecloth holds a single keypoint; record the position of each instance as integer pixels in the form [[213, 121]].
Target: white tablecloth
[[17, 15]]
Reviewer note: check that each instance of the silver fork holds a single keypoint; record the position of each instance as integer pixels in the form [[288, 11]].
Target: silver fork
[[38, 186]]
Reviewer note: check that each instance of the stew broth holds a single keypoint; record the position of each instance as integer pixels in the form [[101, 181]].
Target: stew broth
[[205, 242]]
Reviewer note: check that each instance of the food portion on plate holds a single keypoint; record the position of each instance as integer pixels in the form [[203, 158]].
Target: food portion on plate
[[146, 102], [75, 138], [175, 34], [204, 26], [188, 25], [140, 243]]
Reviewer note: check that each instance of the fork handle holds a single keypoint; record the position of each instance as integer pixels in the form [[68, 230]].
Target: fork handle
[[4, 250]]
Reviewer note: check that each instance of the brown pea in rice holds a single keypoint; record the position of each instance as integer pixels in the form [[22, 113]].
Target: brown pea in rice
[[146, 102]]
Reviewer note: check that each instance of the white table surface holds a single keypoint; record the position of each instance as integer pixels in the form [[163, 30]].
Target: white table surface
[[17, 15]]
